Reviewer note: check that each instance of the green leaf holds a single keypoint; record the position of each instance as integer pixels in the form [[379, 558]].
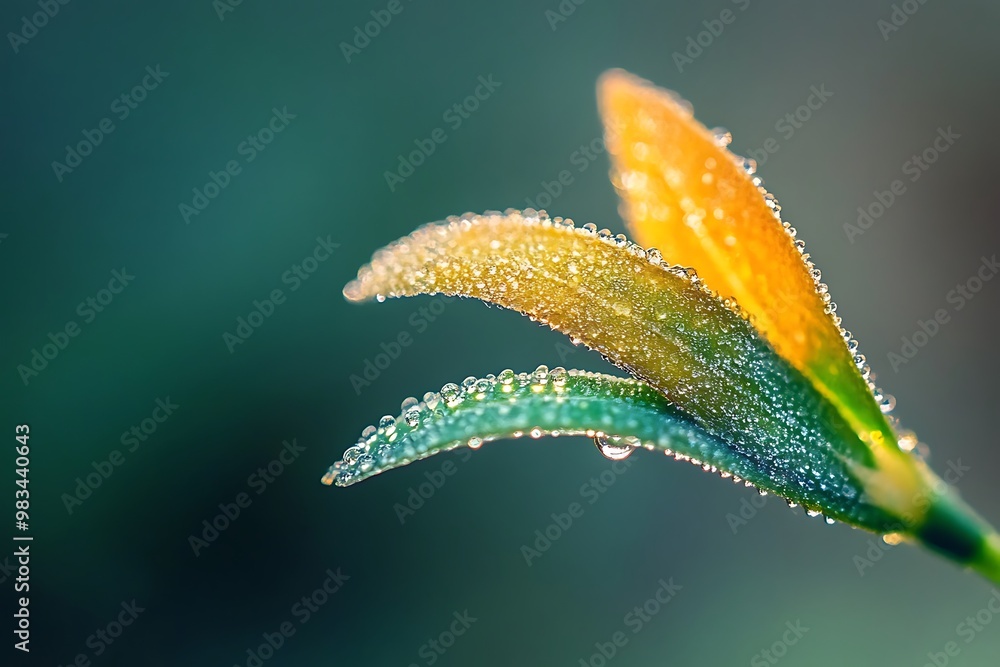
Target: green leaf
[[623, 413], [708, 368]]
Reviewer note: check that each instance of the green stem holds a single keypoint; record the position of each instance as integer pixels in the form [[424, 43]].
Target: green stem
[[953, 529]]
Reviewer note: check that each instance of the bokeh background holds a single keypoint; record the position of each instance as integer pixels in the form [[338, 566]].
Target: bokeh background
[[161, 338]]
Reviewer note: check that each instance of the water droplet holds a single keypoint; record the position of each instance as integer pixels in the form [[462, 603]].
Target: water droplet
[[387, 424], [613, 447], [558, 376], [408, 403], [888, 403], [412, 417], [368, 432], [722, 136], [449, 392], [475, 442], [506, 377]]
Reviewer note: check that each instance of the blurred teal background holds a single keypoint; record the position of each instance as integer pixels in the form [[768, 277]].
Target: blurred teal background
[[322, 176]]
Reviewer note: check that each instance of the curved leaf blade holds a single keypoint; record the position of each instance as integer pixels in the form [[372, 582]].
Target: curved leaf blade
[[627, 412], [656, 321], [685, 193]]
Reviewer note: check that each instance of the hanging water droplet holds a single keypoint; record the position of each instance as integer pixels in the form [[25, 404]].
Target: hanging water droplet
[[888, 403], [829, 520], [475, 442], [613, 447]]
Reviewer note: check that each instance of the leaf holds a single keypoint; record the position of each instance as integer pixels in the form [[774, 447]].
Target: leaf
[[685, 193], [537, 404], [627, 413], [654, 320]]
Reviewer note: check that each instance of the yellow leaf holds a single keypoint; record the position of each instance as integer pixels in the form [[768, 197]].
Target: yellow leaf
[[684, 193]]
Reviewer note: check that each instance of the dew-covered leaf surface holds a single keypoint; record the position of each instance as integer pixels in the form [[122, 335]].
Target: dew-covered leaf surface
[[657, 321], [620, 414], [683, 192]]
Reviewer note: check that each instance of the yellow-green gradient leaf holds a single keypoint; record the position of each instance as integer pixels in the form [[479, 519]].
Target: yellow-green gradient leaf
[[684, 193]]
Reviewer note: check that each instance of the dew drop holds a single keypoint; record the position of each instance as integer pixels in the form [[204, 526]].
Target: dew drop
[[475, 442], [722, 136], [449, 392], [613, 447], [387, 424]]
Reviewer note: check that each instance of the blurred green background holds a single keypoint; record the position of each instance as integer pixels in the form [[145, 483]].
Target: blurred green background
[[322, 176]]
